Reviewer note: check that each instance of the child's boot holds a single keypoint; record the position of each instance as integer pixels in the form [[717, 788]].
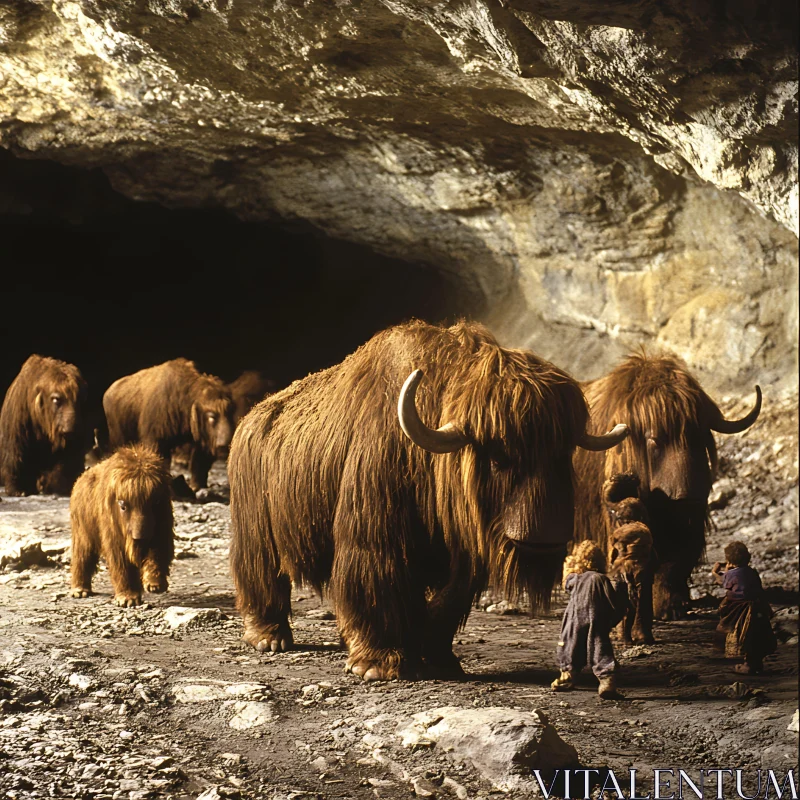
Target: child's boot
[[608, 689], [563, 683]]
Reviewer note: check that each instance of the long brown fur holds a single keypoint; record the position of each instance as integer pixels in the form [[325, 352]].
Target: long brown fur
[[657, 397], [42, 442], [167, 406], [249, 388], [632, 561], [326, 489], [137, 477]]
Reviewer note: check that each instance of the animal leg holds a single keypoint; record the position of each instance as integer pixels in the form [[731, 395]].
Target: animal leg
[[631, 610], [642, 627], [263, 590], [670, 592], [60, 478], [199, 465], [125, 579], [18, 482], [181, 456], [84, 564], [448, 609], [265, 605], [155, 572], [268, 629], [381, 612]]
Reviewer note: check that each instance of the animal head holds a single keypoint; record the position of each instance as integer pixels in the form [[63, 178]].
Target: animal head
[[212, 416], [57, 399], [671, 445], [511, 424], [632, 542], [621, 497], [139, 496]]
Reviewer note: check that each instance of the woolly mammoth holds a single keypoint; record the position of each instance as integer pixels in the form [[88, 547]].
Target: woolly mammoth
[[671, 451], [338, 482], [170, 405], [121, 509], [42, 428]]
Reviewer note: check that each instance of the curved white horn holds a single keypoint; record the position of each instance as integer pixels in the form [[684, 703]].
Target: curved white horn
[[446, 439], [723, 425], [606, 441]]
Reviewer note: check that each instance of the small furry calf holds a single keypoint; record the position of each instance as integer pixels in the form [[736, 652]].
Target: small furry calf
[[631, 549], [121, 509]]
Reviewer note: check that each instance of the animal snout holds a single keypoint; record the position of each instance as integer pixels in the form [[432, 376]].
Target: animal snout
[[223, 439], [551, 533], [140, 529], [222, 451], [66, 424]]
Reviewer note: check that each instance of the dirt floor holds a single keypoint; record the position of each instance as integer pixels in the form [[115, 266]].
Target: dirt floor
[[101, 702]]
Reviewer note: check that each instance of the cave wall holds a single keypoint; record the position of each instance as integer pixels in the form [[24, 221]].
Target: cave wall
[[588, 178]]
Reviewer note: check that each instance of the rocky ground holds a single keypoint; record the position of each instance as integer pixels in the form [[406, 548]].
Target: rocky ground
[[165, 701]]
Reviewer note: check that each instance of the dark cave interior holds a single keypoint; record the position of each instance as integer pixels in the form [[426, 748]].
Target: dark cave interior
[[114, 285]]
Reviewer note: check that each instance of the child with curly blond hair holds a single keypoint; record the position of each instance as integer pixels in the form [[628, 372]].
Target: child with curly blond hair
[[596, 605]]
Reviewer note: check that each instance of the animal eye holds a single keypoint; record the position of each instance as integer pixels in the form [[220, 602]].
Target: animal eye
[[123, 505], [499, 462], [56, 400], [211, 417]]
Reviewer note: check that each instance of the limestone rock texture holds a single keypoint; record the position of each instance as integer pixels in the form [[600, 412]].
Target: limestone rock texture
[[590, 177], [504, 744]]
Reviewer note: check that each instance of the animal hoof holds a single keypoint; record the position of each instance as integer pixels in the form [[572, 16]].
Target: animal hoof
[[127, 601], [155, 588], [270, 645], [81, 593], [374, 674], [369, 671], [268, 638]]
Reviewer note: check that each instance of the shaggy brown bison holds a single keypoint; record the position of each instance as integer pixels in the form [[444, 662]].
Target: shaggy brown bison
[[335, 484], [42, 428], [170, 405], [671, 451], [121, 509]]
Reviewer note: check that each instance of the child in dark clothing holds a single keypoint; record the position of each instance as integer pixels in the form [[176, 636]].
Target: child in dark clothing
[[744, 628], [595, 606]]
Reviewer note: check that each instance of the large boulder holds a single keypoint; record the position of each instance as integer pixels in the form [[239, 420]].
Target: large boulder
[[503, 744]]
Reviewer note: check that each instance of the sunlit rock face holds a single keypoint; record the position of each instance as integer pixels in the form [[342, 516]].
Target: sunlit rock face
[[590, 176]]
